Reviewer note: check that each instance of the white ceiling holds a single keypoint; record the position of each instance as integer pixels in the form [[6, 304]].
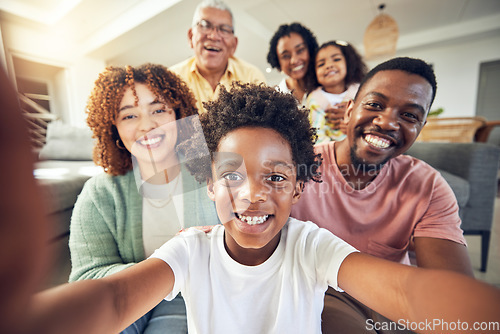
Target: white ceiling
[[137, 31]]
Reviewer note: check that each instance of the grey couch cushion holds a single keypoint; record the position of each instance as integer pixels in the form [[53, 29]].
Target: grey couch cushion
[[66, 142], [459, 186], [474, 162], [62, 181]]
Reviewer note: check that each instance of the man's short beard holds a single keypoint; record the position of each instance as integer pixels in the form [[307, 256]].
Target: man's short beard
[[361, 166]]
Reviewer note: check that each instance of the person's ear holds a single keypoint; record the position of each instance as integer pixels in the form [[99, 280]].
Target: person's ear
[[348, 111], [299, 187], [190, 38], [233, 49], [210, 189]]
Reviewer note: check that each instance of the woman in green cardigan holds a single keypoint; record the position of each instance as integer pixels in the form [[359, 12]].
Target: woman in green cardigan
[[138, 116]]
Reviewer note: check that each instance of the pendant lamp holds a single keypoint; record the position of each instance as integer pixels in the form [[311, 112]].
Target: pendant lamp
[[381, 36]]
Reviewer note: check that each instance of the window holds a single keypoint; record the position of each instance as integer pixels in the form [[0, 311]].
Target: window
[[34, 81]]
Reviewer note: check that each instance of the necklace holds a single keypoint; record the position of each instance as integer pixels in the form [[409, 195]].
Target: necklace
[[159, 196]]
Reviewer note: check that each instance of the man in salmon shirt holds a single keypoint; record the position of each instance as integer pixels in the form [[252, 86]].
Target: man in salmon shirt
[[379, 200]]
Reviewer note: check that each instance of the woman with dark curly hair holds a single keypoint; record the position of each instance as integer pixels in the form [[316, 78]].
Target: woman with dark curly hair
[[138, 116], [339, 70], [291, 50]]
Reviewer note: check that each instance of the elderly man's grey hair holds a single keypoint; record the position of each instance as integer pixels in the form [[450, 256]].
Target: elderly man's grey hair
[[210, 4]]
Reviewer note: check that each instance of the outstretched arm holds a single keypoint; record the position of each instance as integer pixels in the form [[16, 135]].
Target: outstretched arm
[[419, 295], [433, 253], [106, 305]]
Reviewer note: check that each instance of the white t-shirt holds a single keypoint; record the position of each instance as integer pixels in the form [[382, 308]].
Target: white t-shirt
[[282, 295]]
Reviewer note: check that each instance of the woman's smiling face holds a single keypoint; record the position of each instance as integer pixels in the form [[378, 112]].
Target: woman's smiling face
[[293, 56], [254, 186], [147, 128]]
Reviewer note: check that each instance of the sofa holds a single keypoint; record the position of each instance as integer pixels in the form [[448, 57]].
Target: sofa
[[471, 169], [64, 165]]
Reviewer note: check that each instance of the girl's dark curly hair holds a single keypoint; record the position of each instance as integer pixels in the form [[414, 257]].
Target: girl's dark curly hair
[[355, 66], [251, 105], [104, 102], [312, 45]]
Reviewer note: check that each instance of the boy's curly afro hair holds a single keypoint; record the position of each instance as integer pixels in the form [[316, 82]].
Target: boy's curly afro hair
[[104, 102], [251, 105]]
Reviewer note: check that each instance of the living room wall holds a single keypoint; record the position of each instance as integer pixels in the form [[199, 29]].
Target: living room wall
[[457, 69], [456, 64]]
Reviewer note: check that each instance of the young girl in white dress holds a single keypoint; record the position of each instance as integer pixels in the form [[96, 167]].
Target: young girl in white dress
[[339, 70]]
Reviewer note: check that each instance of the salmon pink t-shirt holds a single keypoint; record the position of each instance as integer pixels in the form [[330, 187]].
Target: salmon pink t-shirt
[[407, 198]]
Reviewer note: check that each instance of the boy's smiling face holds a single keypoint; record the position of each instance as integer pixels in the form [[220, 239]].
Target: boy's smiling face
[[254, 186]]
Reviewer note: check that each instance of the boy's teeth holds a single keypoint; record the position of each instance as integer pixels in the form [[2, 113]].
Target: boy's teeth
[[253, 220], [377, 141]]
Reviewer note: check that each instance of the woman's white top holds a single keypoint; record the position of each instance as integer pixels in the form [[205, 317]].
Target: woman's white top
[[283, 87], [162, 213]]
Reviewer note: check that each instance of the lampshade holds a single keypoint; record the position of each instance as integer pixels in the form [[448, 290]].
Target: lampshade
[[381, 36]]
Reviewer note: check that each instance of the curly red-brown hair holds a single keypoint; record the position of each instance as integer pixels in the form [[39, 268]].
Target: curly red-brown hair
[[104, 102]]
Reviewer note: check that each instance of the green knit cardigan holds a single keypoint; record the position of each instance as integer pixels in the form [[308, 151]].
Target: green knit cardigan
[[106, 224]]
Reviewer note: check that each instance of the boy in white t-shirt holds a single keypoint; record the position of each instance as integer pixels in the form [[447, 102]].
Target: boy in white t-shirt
[[263, 272]]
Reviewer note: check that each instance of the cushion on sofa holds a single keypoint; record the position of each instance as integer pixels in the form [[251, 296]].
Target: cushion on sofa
[[459, 186], [65, 142], [62, 181]]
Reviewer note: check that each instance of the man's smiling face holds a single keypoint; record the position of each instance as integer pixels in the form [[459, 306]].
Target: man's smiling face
[[212, 50], [387, 116]]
